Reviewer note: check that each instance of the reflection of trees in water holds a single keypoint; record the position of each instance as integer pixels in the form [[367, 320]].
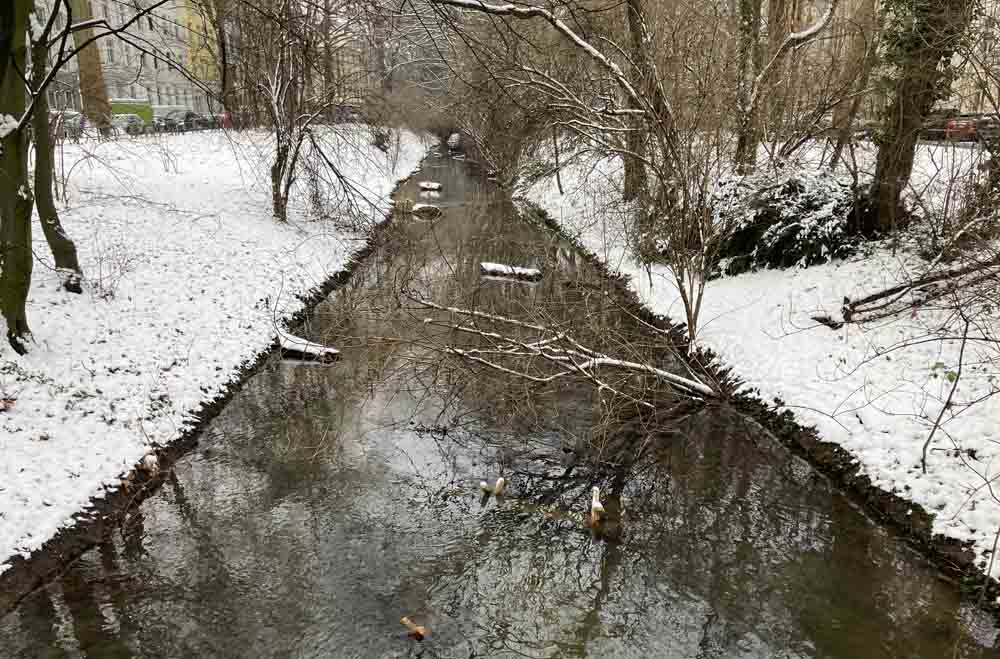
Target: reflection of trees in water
[[321, 507]]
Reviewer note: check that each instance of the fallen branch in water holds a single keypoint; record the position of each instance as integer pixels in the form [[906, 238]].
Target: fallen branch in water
[[557, 348]]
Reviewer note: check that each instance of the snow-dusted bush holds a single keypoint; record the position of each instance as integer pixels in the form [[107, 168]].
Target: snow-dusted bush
[[792, 218]]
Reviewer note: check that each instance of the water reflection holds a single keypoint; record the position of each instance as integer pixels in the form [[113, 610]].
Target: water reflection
[[325, 503]]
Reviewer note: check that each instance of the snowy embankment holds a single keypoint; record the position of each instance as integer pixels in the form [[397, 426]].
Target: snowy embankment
[[188, 278], [859, 385]]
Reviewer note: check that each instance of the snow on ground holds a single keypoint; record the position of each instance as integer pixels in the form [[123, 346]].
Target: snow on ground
[[187, 279], [876, 403]]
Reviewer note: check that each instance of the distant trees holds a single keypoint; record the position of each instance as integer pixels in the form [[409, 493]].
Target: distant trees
[[661, 88]]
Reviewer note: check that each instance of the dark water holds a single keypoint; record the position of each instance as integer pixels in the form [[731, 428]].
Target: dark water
[[326, 502]]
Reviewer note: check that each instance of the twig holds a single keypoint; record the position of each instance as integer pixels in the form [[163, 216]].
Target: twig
[[947, 402]]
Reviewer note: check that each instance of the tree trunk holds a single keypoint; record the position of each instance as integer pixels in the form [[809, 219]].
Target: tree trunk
[[748, 65], [279, 200], [861, 61], [93, 92], [635, 143], [15, 193], [63, 249], [921, 50], [780, 19]]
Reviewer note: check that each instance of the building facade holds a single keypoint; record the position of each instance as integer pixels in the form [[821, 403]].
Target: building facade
[[163, 57]]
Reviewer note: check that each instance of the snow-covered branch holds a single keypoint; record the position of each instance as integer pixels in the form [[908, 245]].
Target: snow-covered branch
[[556, 347]]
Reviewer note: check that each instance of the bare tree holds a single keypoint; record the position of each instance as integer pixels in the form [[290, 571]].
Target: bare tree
[[62, 247]]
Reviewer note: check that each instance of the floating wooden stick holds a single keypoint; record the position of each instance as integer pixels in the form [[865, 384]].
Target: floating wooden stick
[[418, 632]]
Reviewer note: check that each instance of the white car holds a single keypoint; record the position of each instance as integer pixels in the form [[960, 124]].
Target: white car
[[131, 124]]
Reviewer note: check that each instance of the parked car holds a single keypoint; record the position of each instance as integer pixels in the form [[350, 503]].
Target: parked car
[[962, 128], [988, 128], [204, 122], [130, 124], [66, 123], [193, 121], [170, 122], [935, 125]]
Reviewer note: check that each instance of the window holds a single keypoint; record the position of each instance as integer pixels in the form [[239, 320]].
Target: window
[[107, 12], [110, 51], [149, 23], [142, 59], [156, 62]]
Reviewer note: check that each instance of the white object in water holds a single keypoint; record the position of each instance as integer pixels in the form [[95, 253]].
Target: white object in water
[[432, 186], [305, 347], [502, 270], [597, 512], [150, 464], [496, 490], [453, 140]]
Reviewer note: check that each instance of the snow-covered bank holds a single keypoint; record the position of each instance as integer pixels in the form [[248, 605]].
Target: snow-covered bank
[[877, 402], [187, 277]]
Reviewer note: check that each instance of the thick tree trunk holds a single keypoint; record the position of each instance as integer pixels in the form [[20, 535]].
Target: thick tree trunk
[[748, 65], [15, 193], [635, 143], [279, 202], [924, 48], [63, 249], [93, 92]]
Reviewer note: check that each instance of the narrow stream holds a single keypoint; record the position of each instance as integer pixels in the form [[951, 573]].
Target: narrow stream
[[325, 502]]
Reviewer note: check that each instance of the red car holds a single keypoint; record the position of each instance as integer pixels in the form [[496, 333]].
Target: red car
[[962, 128]]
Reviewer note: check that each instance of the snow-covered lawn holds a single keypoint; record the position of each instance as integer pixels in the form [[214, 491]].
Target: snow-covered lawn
[[879, 405], [188, 278]]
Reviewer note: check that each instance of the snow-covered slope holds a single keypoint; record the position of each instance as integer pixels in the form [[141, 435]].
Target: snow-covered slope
[[877, 403]]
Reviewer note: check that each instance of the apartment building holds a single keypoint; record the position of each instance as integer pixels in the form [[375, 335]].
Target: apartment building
[[153, 63], [164, 57]]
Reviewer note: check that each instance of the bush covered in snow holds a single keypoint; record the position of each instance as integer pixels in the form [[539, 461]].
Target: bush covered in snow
[[794, 218]]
